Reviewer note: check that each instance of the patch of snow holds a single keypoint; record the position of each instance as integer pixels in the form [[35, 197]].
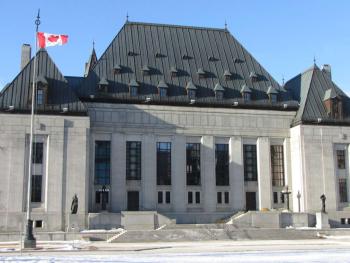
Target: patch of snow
[[102, 230], [321, 256]]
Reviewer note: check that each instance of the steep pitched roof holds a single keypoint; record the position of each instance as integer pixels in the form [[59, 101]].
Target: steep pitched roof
[[59, 96], [139, 44], [91, 62], [310, 89]]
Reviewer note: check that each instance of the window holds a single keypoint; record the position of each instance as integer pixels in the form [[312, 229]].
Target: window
[[160, 197], [250, 166], [193, 172], [222, 164], [343, 191], [133, 91], [36, 188], [273, 98], [162, 92], [275, 197], [277, 165], [219, 95], [191, 94], [341, 159], [38, 223], [167, 197], [39, 96], [282, 198], [38, 150], [246, 96], [133, 160], [219, 197], [198, 197], [102, 162], [190, 197], [163, 163], [227, 197]]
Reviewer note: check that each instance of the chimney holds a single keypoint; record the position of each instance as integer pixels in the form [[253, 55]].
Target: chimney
[[25, 55], [326, 68]]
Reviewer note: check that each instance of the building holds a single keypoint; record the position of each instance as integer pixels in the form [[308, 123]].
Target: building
[[175, 119]]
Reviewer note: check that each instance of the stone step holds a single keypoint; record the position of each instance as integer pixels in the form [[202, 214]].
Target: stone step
[[227, 233]]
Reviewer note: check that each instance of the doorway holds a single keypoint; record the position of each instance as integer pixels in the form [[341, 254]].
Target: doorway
[[133, 201], [250, 198]]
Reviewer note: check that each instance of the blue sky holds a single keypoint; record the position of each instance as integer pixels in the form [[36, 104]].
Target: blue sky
[[283, 35]]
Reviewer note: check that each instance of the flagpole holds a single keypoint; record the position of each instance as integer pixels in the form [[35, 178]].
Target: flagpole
[[29, 239]]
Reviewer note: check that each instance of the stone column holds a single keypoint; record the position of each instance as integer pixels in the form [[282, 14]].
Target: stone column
[[264, 173], [236, 174], [118, 176], [208, 180], [178, 173], [149, 173]]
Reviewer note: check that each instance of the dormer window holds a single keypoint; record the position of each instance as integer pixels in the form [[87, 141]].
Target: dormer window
[[133, 88], [272, 94], [173, 72], [117, 69], [227, 75], [40, 91], [103, 85], [191, 90], [253, 76], [39, 96], [201, 73], [146, 71], [246, 93], [219, 91], [162, 88], [333, 104]]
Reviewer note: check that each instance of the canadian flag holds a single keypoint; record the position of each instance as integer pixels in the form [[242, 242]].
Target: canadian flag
[[48, 40]]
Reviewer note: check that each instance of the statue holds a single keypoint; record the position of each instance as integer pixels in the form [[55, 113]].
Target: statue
[[323, 199], [74, 206]]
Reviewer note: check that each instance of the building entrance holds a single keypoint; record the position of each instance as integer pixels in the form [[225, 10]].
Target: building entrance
[[133, 201], [250, 198]]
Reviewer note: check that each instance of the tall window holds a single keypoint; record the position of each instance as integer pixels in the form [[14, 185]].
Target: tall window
[[38, 150], [102, 162], [341, 159], [133, 160], [250, 166], [36, 188], [39, 96], [193, 170], [222, 164], [37, 159], [163, 163], [343, 191], [277, 165]]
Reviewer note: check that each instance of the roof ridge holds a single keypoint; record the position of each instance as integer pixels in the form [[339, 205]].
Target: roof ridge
[[176, 26]]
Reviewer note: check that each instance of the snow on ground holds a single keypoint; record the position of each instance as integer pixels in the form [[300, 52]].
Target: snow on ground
[[329, 255]]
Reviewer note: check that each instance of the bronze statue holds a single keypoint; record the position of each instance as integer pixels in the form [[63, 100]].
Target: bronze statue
[[323, 199], [74, 206]]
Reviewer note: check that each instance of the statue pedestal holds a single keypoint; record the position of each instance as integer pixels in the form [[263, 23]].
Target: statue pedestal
[[322, 221], [73, 223]]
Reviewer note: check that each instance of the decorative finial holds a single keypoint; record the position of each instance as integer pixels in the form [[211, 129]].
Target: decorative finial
[[37, 21], [282, 80], [315, 60], [127, 17], [93, 44], [225, 25]]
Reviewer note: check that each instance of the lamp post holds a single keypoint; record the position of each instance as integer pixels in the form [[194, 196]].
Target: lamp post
[[286, 193], [298, 196]]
